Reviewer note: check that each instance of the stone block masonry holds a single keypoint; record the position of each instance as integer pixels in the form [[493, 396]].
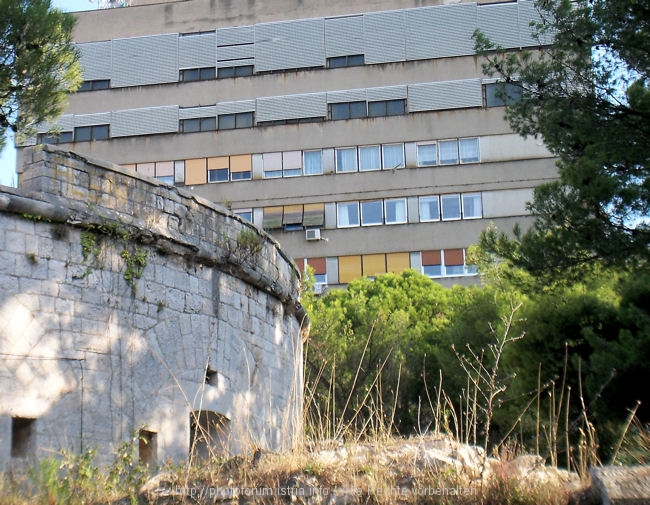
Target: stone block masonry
[[132, 307]]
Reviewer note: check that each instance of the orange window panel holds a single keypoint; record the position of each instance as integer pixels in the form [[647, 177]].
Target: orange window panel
[[314, 214], [318, 264], [241, 163], [431, 258], [195, 172], [453, 257], [218, 163], [373, 264], [398, 262], [300, 263], [349, 268], [272, 218]]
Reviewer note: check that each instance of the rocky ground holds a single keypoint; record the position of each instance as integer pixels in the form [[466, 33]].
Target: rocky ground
[[418, 470]]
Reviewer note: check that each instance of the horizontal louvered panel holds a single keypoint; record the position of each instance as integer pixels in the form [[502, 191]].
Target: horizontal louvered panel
[[291, 44], [291, 107], [236, 107], [145, 60], [95, 60], [92, 119], [348, 95], [343, 36], [444, 95], [235, 35], [145, 121], [235, 63], [499, 23], [386, 93], [236, 52], [440, 31], [528, 14], [196, 51], [384, 36], [194, 112]]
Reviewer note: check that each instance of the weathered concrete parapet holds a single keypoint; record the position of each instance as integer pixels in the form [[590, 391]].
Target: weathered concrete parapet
[[131, 305]]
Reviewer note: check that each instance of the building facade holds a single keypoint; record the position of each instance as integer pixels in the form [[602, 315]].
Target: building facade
[[362, 135]]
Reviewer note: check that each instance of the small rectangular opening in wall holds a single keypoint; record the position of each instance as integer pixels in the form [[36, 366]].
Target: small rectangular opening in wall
[[209, 435], [147, 448], [22, 437]]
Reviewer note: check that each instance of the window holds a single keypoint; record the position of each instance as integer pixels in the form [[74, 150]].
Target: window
[[431, 263], [199, 124], [349, 268], [218, 169], [369, 158], [313, 162], [372, 213], [164, 172], [272, 163], [395, 211], [245, 214], [427, 154], [472, 208], [498, 94], [393, 156], [319, 266], [272, 218], [292, 219], [61, 138], [239, 71], [468, 150], [429, 208], [454, 262], [450, 207], [291, 163], [88, 133], [314, 214], [448, 152], [198, 74], [373, 264], [352, 60], [241, 167], [95, 85], [386, 108], [348, 110], [239, 120], [22, 434], [346, 159], [347, 214]]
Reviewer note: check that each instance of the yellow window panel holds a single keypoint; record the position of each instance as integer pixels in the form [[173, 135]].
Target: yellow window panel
[[218, 163], [241, 163], [314, 214], [373, 264], [398, 262], [195, 172], [292, 214], [349, 268]]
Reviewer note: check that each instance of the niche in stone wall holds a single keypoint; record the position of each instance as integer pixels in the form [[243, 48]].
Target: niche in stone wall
[[209, 435], [22, 437], [147, 448]]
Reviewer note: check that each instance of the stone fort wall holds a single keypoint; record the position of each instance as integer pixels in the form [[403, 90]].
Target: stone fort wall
[[129, 306]]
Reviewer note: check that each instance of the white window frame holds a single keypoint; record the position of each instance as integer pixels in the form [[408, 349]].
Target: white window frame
[[392, 166], [365, 222], [442, 207], [336, 158], [339, 214], [441, 143], [425, 199], [473, 196], [473, 159], [433, 145], [403, 205], [304, 161], [377, 148]]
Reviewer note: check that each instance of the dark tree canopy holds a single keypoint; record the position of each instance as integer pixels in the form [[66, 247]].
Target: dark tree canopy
[[38, 64], [587, 96]]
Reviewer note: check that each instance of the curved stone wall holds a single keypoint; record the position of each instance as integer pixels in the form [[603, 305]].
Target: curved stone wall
[[131, 306]]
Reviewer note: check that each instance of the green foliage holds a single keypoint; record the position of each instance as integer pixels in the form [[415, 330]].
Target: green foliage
[[38, 64], [587, 96], [135, 261]]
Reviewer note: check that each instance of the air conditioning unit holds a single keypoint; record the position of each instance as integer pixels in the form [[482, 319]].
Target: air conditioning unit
[[312, 234]]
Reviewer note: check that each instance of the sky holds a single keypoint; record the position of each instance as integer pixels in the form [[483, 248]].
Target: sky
[[8, 156]]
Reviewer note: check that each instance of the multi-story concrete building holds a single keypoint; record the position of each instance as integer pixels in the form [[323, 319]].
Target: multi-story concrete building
[[362, 135]]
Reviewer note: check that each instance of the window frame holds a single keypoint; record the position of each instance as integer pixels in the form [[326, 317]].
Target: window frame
[[348, 205], [377, 149], [477, 196], [473, 159], [442, 206], [432, 144], [338, 150], [422, 199], [365, 218], [386, 214], [446, 161]]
